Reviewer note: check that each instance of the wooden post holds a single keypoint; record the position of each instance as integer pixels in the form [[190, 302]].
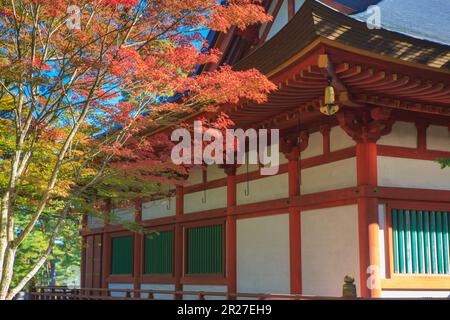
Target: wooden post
[[422, 127], [178, 237], [106, 249], [366, 154], [294, 223], [137, 252], [292, 145], [83, 253], [231, 258], [366, 127], [325, 131]]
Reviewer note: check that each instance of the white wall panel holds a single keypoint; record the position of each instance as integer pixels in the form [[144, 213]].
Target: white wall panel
[[158, 208], [339, 139], [263, 254], [412, 173], [403, 134], [438, 138], [263, 189], [215, 198], [330, 249], [215, 173], [330, 176], [95, 222], [123, 214], [315, 146], [195, 176]]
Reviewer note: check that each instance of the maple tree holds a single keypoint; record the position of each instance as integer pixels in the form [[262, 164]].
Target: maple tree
[[81, 82], [444, 162]]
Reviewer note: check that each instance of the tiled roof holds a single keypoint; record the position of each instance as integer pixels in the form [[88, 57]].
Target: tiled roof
[[315, 20]]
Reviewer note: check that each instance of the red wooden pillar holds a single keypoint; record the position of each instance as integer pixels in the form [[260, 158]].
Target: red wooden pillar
[[231, 258], [366, 127], [325, 131], [369, 249], [422, 127], [83, 252], [83, 262], [138, 245], [291, 146], [178, 261], [106, 248], [295, 247]]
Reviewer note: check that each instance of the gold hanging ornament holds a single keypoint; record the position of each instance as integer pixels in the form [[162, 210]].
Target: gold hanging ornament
[[330, 106]]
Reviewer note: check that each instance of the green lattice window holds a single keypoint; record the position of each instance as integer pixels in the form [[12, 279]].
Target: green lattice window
[[122, 255], [159, 253], [421, 241], [205, 250]]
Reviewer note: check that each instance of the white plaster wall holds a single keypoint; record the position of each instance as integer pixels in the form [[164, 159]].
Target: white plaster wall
[[280, 20], [381, 239], [95, 222], [119, 286], [195, 176], [330, 176], [438, 138], [242, 169], [281, 157], [329, 249], [403, 134], [412, 173], [263, 254], [123, 214], [158, 208], [215, 198], [263, 189], [157, 286], [315, 146], [204, 288], [215, 173], [339, 139], [415, 294]]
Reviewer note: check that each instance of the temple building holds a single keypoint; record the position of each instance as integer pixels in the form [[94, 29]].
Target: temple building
[[359, 191]]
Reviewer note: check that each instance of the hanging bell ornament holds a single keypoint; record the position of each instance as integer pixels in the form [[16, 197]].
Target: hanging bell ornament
[[330, 106]]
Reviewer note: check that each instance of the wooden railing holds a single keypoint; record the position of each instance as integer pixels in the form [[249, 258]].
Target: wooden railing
[[64, 293]]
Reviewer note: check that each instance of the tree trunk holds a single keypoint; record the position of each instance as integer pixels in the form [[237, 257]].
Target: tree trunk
[[8, 271], [3, 231]]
